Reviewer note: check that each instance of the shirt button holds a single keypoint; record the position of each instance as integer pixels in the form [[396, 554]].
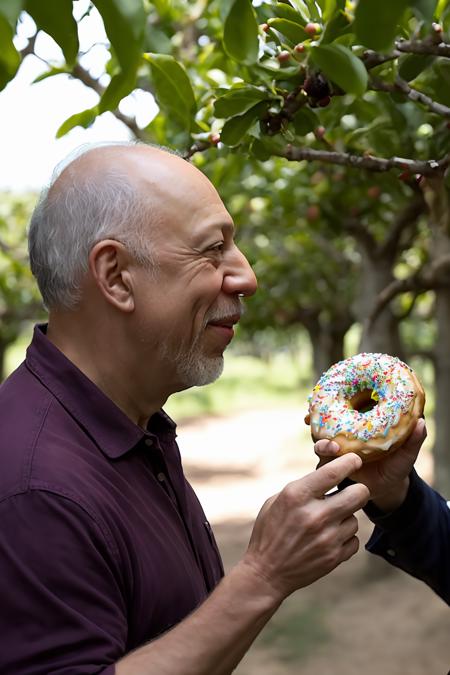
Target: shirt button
[[148, 442], [161, 477], [391, 553]]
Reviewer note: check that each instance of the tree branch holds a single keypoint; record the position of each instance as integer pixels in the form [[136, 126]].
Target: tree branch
[[405, 218], [81, 74], [423, 280], [430, 167], [423, 47], [412, 94], [361, 233]]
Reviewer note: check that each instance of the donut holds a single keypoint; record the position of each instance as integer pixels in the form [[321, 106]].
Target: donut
[[369, 404]]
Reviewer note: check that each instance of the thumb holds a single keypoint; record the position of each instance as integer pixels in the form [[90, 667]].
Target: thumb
[[414, 442]]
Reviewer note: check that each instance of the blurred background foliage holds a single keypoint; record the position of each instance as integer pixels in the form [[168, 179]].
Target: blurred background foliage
[[324, 125]]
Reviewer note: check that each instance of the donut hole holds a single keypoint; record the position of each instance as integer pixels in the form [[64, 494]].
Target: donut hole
[[363, 401]]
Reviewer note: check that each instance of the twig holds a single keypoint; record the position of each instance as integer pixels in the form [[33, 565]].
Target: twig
[[412, 94], [199, 146], [423, 280], [423, 47], [430, 167], [405, 218]]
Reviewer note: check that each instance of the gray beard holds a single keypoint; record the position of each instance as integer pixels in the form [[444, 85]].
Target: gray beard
[[193, 367]]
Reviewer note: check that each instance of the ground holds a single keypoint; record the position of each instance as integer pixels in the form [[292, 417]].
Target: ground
[[365, 617]]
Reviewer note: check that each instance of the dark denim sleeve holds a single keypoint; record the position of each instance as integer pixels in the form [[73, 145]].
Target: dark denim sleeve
[[62, 609], [416, 537]]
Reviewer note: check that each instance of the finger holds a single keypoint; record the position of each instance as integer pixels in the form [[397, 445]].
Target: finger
[[350, 548], [349, 500], [326, 448], [417, 437], [331, 474], [349, 527]]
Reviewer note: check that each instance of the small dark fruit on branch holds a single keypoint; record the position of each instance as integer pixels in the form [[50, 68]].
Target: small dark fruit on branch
[[324, 101], [312, 28], [319, 132], [316, 86], [214, 139], [374, 191], [283, 57], [313, 213], [405, 176], [299, 48]]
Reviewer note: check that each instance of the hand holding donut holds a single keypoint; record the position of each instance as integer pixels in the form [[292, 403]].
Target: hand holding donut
[[371, 404], [387, 479]]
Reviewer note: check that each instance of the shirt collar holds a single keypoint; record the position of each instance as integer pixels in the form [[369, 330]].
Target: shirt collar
[[101, 418]]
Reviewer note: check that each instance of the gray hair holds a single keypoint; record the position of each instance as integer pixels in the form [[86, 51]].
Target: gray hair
[[68, 222]]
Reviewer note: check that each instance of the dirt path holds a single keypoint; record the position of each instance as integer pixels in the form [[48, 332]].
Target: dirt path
[[365, 617]]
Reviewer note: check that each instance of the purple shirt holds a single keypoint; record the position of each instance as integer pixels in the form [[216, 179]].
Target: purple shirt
[[103, 543]]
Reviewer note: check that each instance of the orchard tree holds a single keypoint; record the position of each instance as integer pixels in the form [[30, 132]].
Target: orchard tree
[[327, 83], [19, 298]]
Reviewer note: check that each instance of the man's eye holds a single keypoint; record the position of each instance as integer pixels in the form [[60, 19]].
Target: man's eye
[[217, 247]]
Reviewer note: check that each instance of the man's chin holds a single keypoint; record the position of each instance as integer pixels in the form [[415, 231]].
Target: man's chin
[[201, 371]]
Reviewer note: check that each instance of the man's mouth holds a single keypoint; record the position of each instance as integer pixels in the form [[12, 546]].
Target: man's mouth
[[224, 326], [225, 322]]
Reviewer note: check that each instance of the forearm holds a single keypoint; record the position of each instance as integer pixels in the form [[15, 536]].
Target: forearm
[[416, 536], [213, 639]]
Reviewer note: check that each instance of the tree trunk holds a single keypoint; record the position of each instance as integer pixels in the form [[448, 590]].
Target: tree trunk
[[327, 345], [383, 335], [438, 203], [441, 450]]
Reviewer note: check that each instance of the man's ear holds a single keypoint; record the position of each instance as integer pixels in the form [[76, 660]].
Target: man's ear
[[109, 264]]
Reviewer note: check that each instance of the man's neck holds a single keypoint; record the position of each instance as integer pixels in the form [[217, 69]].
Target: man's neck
[[104, 357]]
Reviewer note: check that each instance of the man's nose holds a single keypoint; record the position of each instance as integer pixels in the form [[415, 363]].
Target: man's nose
[[239, 278]]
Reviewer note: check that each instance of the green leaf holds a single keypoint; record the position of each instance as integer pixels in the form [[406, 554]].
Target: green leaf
[[287, 12], [9, 56], [156, 40], [311, 8], [56, 19], [337, 26], [124, 22], [120, 86], [238, 101], [291, 72], [342, 67], [51, 73], [305, 121], [293, 31], [426, 8], [11, 9], [328, 9], [411, 65], [173, 89], [82, 119], [240, 33], [376, 22], [235, 128], [259, 150]]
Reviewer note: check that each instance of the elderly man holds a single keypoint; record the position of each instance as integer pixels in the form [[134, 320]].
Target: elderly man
[[104, 546]]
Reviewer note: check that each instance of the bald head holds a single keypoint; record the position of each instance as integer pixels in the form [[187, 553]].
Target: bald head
[[160, 174], [109, 192]]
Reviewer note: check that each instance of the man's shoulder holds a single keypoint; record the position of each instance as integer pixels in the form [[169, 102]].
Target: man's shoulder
[[24, 403], [37, 435]]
